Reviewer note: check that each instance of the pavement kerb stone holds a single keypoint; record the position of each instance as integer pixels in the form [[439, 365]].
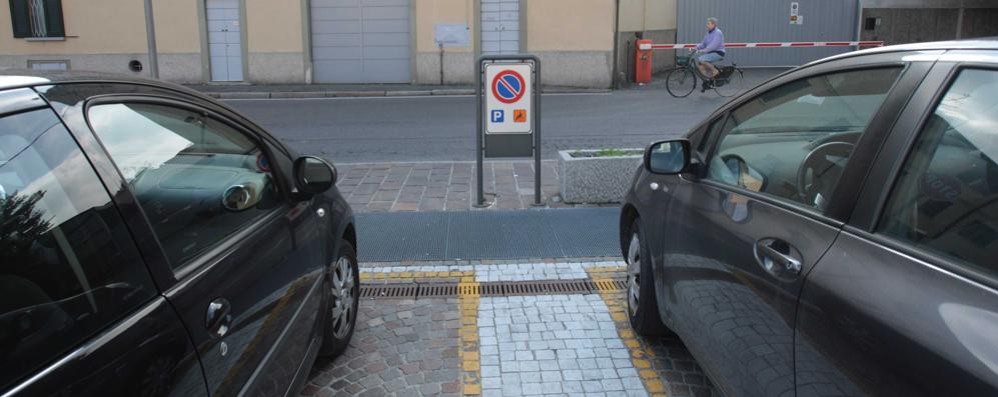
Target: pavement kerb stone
[[453, 91], [408, 93], [294, 95], [352, 94]]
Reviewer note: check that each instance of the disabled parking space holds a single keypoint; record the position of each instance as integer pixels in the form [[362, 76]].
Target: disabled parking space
[[495, 328]]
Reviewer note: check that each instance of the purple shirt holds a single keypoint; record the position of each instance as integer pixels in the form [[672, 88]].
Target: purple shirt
[[712, 41]]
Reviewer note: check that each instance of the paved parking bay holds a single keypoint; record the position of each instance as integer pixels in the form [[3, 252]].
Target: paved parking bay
[[477, 341]]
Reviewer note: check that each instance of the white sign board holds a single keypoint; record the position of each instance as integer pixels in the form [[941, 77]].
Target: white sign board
[[795, 17], [508, 99], [451, 34]]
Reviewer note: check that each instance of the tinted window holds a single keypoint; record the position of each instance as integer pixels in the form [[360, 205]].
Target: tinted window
[[197, 179], [947, 197], [794, 141], [67, 266]]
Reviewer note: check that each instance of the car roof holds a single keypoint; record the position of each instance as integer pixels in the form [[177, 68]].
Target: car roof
[[15, 78], [989, 43]]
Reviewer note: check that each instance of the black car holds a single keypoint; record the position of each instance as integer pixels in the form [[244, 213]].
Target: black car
[[833, 231], [155, 242]]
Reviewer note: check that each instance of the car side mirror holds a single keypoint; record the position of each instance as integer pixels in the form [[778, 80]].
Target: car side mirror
[[667, 157], [313, 175]]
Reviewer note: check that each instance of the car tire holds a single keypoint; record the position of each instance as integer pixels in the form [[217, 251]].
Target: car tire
[[642, 306], [343, 288]]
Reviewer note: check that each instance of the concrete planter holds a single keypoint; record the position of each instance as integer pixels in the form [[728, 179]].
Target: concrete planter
[[588, 178]]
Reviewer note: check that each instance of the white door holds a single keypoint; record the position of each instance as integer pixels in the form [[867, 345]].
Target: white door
[[361, 41], [500, 27], [224, 45]]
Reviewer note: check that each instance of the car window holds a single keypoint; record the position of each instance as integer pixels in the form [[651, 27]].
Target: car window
[[946, 199], [793, 142], [197, 179], [67, 265]]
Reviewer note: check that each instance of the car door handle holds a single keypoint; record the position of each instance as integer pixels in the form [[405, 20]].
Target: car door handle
[[784, 265], [218, 317]]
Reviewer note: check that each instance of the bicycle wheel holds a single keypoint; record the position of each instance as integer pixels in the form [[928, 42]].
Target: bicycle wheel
[[731, 85], [681, 82]]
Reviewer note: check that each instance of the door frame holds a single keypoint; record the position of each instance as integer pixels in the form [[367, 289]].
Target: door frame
[[202, 9]]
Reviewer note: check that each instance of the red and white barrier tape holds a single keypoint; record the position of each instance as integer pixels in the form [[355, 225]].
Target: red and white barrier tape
[[769, 45]]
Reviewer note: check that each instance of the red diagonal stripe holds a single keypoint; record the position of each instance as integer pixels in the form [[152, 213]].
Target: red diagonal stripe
[[508, 87]]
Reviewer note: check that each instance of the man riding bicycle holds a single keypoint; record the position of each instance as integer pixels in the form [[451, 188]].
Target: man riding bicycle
[[710, 50]]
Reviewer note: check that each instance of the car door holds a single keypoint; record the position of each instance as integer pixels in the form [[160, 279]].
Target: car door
[[80, 313], [906, 300], [742, 231], [247, 270]]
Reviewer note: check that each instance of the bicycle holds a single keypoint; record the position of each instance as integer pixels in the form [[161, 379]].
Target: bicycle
[[682, 80]]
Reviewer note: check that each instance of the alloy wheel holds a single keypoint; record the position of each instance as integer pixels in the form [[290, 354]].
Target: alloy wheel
[[344, 291], [634, 274]]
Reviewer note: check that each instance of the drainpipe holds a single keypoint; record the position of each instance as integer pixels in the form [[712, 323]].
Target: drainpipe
[[151, 39], [616, 46], [441, 45]]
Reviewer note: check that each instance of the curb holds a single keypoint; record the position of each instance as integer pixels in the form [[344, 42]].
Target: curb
[[374, 94]]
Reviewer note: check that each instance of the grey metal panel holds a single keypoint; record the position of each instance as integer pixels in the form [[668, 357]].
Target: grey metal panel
[[500, 28], [769, 21], [361, 41], [535, 234], [224, 40]]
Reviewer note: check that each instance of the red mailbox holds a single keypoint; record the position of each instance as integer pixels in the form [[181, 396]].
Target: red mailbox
[[642, 62]]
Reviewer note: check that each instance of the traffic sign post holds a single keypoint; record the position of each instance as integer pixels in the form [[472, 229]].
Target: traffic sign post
[[509, 113]]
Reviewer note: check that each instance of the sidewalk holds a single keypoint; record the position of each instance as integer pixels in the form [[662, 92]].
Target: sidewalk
[[297, 91], [447, 186]]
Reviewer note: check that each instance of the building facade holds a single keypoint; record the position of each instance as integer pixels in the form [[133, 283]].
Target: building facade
[[910, 21], [326, 41]]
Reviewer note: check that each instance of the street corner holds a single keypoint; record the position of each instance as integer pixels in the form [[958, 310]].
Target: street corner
[[496, 328]]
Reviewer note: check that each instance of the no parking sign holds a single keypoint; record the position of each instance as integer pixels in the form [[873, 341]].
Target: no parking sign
[[508, 98], [509, 114]]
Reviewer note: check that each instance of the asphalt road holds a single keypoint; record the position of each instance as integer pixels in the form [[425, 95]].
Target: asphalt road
[[392, 129]]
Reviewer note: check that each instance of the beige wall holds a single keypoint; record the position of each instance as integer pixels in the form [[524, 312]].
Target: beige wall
[[177, 27], [431, 12], [645, 15], [274, 26], [588, 26], [90, 29]]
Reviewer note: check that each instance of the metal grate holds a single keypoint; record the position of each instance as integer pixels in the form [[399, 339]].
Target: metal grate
[[515, 288], [388, 291], [437, 290], [558, 287], [609, 285]]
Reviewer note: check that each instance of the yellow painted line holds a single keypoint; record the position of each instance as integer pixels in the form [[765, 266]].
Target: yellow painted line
[[403, 277], [468, 299], [640, 353]]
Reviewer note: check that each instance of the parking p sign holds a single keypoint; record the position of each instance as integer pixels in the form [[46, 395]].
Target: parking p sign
[[508, 98]]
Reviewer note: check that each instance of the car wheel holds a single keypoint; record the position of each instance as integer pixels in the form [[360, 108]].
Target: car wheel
[[642, 306], [344, 291]]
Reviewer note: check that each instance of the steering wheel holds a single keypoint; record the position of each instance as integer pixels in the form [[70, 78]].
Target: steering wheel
[[824, 173]]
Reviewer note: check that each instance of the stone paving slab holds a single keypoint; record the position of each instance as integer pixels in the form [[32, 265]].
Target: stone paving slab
[[447, 186], [573, 345]]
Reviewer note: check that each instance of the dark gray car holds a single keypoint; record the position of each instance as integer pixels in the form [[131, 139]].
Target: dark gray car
[[833, 231], [155, 242]]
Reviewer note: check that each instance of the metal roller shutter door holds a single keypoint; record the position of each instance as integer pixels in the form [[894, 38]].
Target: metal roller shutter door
[[361, 41]]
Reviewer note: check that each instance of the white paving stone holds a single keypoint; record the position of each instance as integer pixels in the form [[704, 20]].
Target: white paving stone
[[569, 353]]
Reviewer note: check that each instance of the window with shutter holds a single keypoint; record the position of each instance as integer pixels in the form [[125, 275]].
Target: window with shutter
[[37, 18]]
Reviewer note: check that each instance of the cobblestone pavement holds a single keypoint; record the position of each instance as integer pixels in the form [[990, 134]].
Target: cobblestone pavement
[[445, 186], [567, 344]]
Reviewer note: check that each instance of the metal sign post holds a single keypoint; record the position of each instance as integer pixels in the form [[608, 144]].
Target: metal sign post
[[509, 113]]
